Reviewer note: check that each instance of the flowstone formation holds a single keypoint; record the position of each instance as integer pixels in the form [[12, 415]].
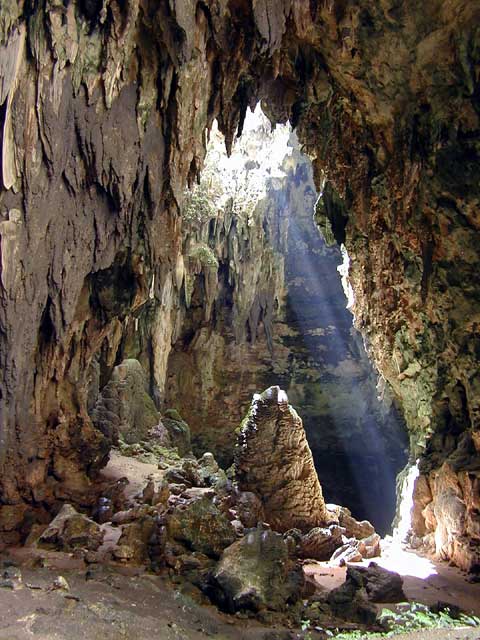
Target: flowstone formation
[[104, 108]]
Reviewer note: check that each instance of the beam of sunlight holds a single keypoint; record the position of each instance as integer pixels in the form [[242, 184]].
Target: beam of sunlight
[[337, 323]]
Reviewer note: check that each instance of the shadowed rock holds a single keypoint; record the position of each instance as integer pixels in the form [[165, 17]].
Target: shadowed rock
[[256, 573], [273, 460], [70, 530], [124, 406]]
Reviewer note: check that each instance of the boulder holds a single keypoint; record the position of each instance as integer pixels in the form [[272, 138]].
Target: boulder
[[348, 552], [186, 472], [256, 573], [273, 460], [370, 547], [354, 528], [350, 600], [211, 474], [71, 530], [178, 431], [320, 543], [353, 550], [195, 568], [103, 511], [249, 508], [133, 544], [199, 524], [382, 585], [378, 584]]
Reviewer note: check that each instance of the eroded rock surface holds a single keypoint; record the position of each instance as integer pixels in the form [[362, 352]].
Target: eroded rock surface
[[256, 573], [124, 407], [71, 530], [273, 460]]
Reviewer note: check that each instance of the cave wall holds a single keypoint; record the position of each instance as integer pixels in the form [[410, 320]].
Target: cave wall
[[104, 105], [267, 306]]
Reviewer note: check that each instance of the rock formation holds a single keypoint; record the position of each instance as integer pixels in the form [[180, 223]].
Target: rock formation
[[267, 307], [104, 108], [257, 573], [124, 407], [273, 460]]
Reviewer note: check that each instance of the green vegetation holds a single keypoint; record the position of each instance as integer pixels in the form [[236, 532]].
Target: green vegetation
[[148, 452], [411, 616], [204, 255], [199, 206]]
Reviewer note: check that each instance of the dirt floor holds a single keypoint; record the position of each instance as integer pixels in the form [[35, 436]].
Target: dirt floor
[[108, 603], [111, 602], [424, 580]]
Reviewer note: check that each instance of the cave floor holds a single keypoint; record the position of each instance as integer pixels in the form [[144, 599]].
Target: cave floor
[[114, 600], [424, 580], [122, 602]]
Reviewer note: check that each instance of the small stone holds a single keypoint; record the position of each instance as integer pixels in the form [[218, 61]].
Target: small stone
[[7, 584], [11, 578], [123, 553], [60, 583]]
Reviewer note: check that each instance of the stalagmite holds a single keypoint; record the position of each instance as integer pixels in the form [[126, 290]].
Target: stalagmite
[[274, 461]]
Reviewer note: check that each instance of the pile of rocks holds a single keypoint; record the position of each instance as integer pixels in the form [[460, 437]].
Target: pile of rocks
[[238, 537]]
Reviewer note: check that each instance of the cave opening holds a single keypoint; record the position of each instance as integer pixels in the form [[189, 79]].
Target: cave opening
[[279, 310]]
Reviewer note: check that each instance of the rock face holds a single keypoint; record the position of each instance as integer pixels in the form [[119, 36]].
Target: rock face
[[103, 114], [273, 460], [446, 516]]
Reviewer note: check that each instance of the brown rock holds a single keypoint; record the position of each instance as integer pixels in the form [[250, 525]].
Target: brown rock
[[133, 543], [273, 460], [70, 530], [320, 543]]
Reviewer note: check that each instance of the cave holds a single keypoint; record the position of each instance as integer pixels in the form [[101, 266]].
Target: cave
[[191, 195]]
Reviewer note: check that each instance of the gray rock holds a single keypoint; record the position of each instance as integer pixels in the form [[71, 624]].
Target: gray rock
[[70, 530], [249, 508], [350, 600], [353, 600], [256, 573], [178, 430], [124, 407], [382, 585], [200, 525]]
